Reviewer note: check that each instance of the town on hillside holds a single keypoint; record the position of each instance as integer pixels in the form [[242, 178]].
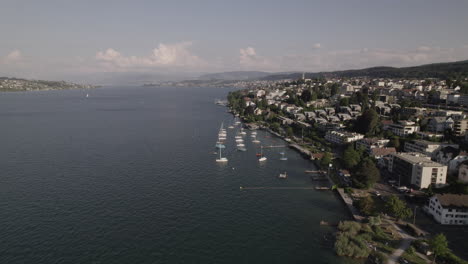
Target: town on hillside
[[397, 148]]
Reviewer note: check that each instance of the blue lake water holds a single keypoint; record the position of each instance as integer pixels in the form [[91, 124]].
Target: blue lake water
[[128, 175]]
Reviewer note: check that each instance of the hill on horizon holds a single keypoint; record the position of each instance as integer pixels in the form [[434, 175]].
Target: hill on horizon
[[434, 70], [235, 75]]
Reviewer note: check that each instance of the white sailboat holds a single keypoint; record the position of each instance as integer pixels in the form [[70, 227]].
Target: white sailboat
[[262, 158], [255, 140], [242, 132], [222, 134], [221, 159], [282, 156]]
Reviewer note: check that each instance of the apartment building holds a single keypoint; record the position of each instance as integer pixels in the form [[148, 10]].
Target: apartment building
[[403, 128], [342, 137], [425, 147], [417, 170]]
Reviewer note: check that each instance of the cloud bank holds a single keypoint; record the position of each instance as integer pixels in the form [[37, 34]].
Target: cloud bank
[[174, 58], [175, 55]]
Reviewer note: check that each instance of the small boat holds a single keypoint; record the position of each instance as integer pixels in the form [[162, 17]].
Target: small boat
[[240, 145], [262, 158], [221, 159], [282, 156], [242, 132], [238, 137], [240, 140], [241, 149], [231, 127], [220, 145], [87, 95], [256, 141], [283, 175]]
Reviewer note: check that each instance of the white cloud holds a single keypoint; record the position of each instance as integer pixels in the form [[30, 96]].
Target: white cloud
[[249, 60], [13, 56], [317, 46], [424, 48], [165, 55]]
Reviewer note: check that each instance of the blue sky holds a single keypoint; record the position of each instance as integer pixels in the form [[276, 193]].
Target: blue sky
[[58, 39]]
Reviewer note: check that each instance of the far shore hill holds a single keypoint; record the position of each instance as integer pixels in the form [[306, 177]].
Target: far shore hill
[[447, 70], [17, 85]]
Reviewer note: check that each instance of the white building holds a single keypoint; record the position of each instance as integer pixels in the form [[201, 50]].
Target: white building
[[403, 128], [425, 147], [449, 209], [342, 137], [417, 170], [370, 143]]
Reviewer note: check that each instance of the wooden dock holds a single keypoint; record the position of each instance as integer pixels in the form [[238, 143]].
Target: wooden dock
[[319, 178]]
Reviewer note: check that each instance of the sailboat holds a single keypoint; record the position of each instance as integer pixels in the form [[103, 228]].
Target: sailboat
[[282, 156], [255, 140], [221, 159], [262, 158], [239, 140], [242, 132], [220, 145], [222, 133]]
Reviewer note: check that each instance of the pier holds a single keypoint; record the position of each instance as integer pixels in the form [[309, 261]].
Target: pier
[[276, 188]]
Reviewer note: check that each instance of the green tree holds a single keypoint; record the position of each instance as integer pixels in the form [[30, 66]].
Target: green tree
[[275, 126], [366, 205], [375, 221], [326, 160], [366, 174], [351, 157], [368, 122], [306, 96], [289, 132], [397, 208], [334, 89], [439, 245], [394, 142], [344, 101]]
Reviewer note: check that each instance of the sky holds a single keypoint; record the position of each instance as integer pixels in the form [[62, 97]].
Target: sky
[[66, 39]]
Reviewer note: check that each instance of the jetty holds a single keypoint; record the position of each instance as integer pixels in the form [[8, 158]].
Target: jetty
[[276, 188], [316, 171], [319, 178], [322, 188]]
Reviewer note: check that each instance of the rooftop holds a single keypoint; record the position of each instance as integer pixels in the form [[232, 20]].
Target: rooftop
[[453, 200], [417, 158]]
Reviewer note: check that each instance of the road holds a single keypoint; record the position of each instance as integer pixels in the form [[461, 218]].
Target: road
[[404, 245]]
